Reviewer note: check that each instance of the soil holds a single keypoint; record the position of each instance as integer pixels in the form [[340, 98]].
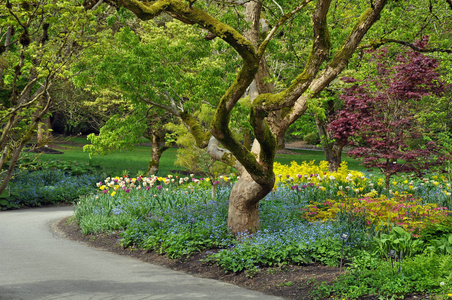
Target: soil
[[288, 281]]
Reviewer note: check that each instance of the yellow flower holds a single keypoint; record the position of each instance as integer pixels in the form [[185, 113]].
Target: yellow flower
[[207, 179], [113, 193], [394, 182]]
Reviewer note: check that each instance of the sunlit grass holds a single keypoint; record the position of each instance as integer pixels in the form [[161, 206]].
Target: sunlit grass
[[136, 160]]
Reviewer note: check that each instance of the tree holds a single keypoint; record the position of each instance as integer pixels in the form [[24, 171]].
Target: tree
[[381, 116], [122, 131], [325, 60], [168, 77], [42, 39]]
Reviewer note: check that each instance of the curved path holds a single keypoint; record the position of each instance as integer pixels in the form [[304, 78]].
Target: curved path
[[36, 263]]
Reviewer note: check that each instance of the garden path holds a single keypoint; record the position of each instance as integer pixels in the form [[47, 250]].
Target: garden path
[[37, 263]]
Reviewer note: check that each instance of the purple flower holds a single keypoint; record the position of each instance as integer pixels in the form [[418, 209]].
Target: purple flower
[[159, 187], [304, 186], [299, 176], [216, 182], [148, 188], [294, 187], [105, 191], [128, 191]]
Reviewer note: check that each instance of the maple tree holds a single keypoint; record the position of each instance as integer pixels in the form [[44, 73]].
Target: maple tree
[[380, 117]]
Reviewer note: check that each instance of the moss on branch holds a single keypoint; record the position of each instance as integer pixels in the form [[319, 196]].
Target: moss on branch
[[201, 136]]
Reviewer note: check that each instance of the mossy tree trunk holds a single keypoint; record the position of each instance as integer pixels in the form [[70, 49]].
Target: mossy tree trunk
[[257, 176]]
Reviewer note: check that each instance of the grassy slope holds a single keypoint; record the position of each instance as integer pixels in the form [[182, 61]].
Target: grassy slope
[[138, 159]]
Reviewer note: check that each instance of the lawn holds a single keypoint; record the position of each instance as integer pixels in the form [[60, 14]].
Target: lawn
[[135, 161]]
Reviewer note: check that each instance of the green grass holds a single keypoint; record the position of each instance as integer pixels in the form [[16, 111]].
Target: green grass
[[137, 160]]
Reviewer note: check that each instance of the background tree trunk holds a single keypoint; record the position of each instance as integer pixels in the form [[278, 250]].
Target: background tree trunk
[[44, 132], [332, 150], [156, 152]]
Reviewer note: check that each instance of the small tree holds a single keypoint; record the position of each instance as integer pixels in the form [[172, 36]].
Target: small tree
[[40, 40], [380, 117]]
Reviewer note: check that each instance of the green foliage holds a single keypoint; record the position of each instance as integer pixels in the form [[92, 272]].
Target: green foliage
[[118, 134], [421, 274], [312, 138], [191, 157], [73, 168], [436, 230], [44, 44], [442, 245], [7, 203], [303, 126], [400, 241]]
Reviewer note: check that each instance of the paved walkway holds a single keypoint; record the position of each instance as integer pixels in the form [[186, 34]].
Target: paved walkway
[[36, 263]]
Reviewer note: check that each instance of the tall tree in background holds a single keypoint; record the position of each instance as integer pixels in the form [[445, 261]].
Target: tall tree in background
[[326, 59]]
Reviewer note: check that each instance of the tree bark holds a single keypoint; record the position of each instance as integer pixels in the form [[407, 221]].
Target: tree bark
[[243, 213], [156, 152], [332, 150]]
